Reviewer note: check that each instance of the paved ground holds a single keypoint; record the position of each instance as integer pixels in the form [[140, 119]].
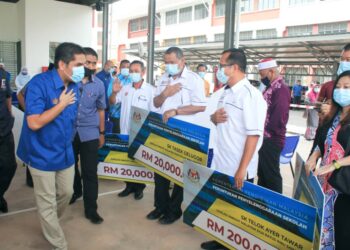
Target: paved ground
[[125, 226]]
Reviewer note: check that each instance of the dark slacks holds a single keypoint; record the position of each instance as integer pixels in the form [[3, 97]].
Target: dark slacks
[[269, 166], [116, 125], [136, 187], [8, 163], [88, 162], [169, 205], [342, 222]]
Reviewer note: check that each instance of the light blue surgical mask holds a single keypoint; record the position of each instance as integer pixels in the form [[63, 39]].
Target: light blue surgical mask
[[78, 74], [201, 74], [172, 69], [124, 72], [342, 97], [220, 74], [111, 71], [343, 66], [135, 77]]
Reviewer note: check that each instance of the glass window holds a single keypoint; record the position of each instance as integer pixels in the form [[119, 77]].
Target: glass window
[[157, 21], [332, 28], [200, 39], [171, 17], [143, 23], [245, 35], [219, 8], [169, 42], [264, 34], [302, 30], [134, 45], [185, 40], [219, 37], [247, 5], [185, 15], [299, 2], [201, 11], [267, 4], [134, 25]]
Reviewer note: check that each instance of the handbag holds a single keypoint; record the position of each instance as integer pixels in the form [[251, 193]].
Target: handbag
[[340, 178]]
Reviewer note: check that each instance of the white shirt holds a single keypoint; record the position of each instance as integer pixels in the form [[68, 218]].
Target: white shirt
[[129, 96], [246, 110], [191, 93]]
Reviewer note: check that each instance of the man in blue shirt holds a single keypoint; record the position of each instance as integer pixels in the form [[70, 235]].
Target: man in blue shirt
[[296, 92], [124, 79], [8, 75], [105, 75], [46, 138], [89, 136]]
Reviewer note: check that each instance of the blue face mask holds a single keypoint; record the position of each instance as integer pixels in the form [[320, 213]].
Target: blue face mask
[[135, 77], [220, 74], [343, 66], [172, 69], [124, 72], [342, 97], [78, 74], [201, 74]]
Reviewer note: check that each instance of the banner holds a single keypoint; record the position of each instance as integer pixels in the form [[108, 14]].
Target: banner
[[307, 189], [116, 165], [163, 147], [252, 218]]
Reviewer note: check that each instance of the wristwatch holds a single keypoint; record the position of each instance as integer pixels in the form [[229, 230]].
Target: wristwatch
[[102, 132], [336, 164]]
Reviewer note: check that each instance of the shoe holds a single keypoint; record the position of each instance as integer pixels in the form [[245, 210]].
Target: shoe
[[125, 192], [3, 205], [212, 245], [168, 219], [74, 198], [94, 217], [155, 214], [138, 195]]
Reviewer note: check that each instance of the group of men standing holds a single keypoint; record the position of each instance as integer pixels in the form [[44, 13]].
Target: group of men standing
[[65, 122]]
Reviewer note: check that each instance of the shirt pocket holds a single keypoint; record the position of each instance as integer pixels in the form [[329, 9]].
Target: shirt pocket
[[88, 100]]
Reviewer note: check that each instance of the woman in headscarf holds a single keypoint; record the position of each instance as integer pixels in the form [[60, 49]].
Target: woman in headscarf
[[311, 114], [22, 79]]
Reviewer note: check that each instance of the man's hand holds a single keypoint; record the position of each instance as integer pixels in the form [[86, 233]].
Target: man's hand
[[67, 98], [168, 114], [171, 90], [101, 141], [239, 178], [116, 86], [219, 116]]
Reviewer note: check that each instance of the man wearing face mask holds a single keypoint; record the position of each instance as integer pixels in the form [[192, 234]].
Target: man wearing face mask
[[89, 137], [180, 94], [138, 94], [46, 139], [124, 79], [202, 70], [277, 97], [105, 75]]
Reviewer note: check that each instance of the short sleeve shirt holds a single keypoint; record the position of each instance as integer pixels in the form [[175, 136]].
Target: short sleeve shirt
[[6, 119], [246, 110], [297, 89]]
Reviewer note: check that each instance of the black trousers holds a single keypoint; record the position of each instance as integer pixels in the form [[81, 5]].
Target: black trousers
[[169, 205], [88, 162], [116, 125], [136, 187], [8, 163], [269, 166], [342, 222]]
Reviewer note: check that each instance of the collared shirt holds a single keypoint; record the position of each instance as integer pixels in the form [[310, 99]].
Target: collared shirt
[[129, 96], [246, 110], [191, 93], [114, 110], [297, 89], [277, 97], [105, 77], [6, 119], [49, 148], [92, 99]]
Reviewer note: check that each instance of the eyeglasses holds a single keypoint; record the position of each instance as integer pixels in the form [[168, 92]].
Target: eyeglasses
[[225, 65]]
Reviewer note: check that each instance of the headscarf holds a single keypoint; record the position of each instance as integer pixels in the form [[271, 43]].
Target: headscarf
[[22, 78]]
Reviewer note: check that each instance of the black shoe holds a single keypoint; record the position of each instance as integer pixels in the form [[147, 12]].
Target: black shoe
[[212, 245], [168, 219], [155, 214], [94, 217], [74, 198], [138, 195], [3, 205], [125, 192]]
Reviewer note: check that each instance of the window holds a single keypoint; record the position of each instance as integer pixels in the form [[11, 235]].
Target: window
[[247, 5], [169, 42], [299, 2], [138, 24], [200, 39], [201, 11], [171, 17], [267, 4], [332, 28], [220, 8], [292, 74], [302, 30], [157, 20], [245, 35], [134, 45], [185, 15], [219, 37], [185, 40], [264, 34]]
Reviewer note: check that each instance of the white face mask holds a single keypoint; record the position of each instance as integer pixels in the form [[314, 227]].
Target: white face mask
[[317, 90]]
